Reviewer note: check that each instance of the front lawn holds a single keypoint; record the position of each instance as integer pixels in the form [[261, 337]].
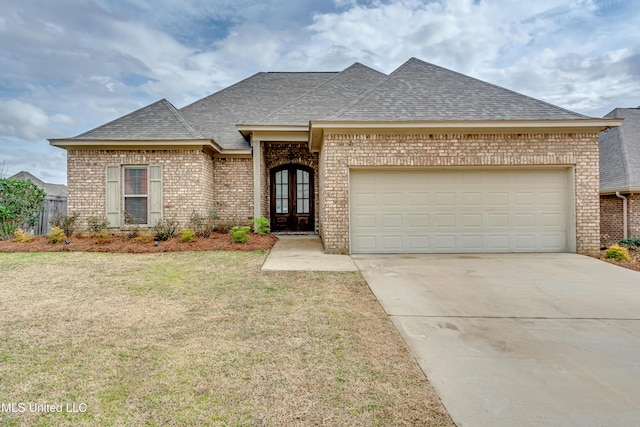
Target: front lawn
[[198, 338]]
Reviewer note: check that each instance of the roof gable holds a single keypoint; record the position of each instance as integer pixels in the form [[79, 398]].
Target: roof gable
[[620, 152], [329, 98], [158, 121], [418, 90]]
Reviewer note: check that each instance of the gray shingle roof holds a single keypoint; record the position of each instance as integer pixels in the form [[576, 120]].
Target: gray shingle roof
[[158, 121], [418, 90], [326, 100], [248, 102], [415, 91], [620, 152]]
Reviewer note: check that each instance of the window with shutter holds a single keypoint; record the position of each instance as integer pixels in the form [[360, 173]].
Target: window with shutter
[[136, 193]]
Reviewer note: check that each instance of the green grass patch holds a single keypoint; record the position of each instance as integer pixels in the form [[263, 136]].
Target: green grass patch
[[200, 338]]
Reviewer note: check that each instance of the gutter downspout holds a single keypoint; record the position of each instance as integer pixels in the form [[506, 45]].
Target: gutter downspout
[[624, 214]]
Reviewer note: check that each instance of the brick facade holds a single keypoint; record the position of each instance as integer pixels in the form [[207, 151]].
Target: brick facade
[[343, 151], [233, 189], [187, 180], [611, 218], [278, 154]]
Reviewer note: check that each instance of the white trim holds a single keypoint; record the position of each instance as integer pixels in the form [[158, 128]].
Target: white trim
[[256, 144]]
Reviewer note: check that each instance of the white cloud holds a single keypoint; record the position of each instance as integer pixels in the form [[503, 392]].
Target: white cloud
[[22, 120]]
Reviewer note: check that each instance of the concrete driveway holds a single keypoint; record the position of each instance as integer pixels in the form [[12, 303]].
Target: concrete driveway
[[518, 340]]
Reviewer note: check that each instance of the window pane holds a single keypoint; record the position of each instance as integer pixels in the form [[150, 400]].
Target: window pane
[[278, 206], [137, 207], [303, 206], [135, 181]]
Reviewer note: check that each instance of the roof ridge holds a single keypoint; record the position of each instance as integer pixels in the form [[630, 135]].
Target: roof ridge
[[491, 84], [338, 74], [362, 95], [187, 126]]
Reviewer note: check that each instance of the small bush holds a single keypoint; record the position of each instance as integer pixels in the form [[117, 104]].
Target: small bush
[[203, 225], [144, 237], [617, 253], [23, 236], [56, 235], [65, 222], [96, 224], [165, 229], [103, 236], [261, 226], [240, 234], [187, 235], [631, 243]]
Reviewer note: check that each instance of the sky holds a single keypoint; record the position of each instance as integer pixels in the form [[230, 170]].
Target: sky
[[67, 66]]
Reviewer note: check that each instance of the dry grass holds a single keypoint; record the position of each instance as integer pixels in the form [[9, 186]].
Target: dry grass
[[200, 338]]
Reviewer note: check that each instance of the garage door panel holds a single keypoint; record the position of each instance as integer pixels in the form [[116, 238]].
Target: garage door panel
[[459, 211]]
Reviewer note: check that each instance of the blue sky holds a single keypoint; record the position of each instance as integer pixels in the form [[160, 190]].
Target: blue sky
[[67, 66]]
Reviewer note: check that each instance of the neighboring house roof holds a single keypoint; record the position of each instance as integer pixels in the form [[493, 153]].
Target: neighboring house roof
[[52, 190], [416, 91], [620, 153], [158, 121]]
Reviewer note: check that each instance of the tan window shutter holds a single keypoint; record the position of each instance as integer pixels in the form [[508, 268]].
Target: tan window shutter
[[113, 195], [155, 194]]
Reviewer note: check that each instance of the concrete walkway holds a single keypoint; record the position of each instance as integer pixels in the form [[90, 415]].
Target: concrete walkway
[[305, 253]]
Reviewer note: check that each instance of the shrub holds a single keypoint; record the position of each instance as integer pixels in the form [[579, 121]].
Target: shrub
[[103, 236], [66, 222], [144, 237], [617, 253], [20, 204], [631, 243], [23, 236], [240, 234], [56, 235], [261, 226], [96, 224], [203, 225], [187, 235], [165, 229]]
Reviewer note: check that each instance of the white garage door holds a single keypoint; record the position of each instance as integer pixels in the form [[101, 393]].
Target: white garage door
[[461, 211]]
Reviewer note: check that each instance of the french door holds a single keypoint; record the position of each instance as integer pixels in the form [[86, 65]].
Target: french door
[[292, 198]]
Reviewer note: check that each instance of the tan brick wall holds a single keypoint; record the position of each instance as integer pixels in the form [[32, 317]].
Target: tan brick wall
[[233, 189], [187, 177], [274, 155], [343, 151], [611, 218]]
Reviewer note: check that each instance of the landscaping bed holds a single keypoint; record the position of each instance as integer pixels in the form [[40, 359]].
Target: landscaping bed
[[124, 244]]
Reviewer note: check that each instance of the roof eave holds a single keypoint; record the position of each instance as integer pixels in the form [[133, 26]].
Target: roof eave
[[622, 190], [145, 144]]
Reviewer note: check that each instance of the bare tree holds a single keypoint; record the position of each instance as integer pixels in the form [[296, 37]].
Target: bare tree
[[3, 169]]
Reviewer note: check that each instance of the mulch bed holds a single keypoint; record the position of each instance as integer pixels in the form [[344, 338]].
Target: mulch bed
[[633, 264], [122, 244]]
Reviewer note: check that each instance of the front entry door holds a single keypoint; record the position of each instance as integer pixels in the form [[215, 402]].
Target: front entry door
[[292, 198]]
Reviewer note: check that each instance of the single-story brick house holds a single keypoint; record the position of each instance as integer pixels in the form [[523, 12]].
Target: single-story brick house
[[421, 160], [620, 178]]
